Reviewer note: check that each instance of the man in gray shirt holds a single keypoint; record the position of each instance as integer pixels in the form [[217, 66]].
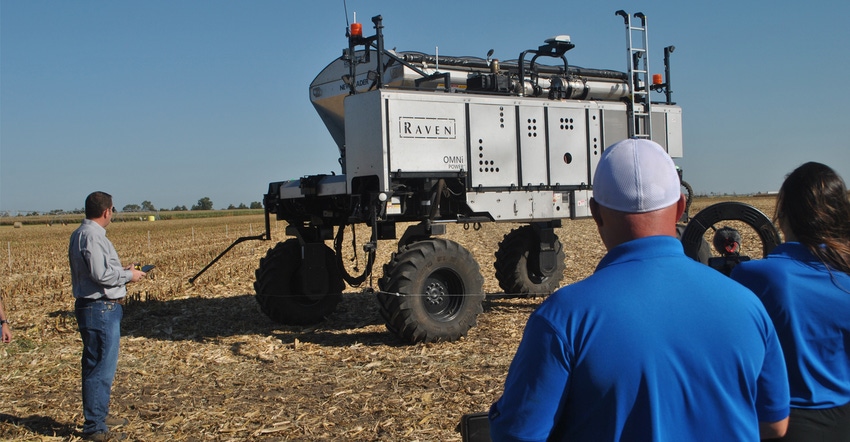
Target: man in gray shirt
[[98, 281]]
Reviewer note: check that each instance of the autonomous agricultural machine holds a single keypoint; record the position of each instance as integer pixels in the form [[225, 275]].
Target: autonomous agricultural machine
[[426, 141]]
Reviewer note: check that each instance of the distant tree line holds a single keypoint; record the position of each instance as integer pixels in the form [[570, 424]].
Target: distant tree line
[[204, 203]]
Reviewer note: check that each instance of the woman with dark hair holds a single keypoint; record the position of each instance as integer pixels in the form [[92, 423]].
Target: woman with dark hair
[[804, 284]]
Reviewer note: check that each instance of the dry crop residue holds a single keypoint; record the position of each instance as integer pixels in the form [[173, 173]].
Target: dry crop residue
[[200, 362]]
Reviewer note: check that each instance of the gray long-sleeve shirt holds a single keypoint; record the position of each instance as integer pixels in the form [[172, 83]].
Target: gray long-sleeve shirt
[[96, 270]]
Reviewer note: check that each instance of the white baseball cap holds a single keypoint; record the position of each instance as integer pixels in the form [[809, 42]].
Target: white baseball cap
[[636, 176]]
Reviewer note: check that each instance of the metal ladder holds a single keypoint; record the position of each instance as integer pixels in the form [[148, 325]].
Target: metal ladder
[[639, 105]]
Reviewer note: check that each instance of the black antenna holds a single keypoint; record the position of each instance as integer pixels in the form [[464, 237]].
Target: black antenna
[[345, 8]]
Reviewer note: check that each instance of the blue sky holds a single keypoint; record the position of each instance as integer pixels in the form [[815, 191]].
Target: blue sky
[[170, 102]]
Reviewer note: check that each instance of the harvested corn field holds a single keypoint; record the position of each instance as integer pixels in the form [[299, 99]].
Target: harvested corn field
[[200, 362]]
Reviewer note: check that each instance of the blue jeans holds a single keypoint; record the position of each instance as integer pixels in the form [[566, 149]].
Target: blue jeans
[[100, 327]]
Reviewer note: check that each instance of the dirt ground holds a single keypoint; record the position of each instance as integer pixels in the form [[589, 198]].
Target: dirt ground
[[200, 362]]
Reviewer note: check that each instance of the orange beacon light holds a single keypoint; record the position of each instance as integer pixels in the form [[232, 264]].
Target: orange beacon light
[[356, 30]]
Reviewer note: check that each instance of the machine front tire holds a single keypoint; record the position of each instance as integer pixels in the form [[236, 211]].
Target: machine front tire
[[515, 267], [432, 290], [281, 294]]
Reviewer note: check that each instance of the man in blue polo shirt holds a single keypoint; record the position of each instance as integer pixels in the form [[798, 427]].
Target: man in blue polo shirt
[[653, 345]]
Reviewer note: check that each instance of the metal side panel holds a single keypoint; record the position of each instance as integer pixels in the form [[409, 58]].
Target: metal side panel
[[532, 146], [675, 146], [521, 206], [327, 185], [532, 142], [493, 144], [659, 127], [615, 124], [365, 149], [568, 146], [290, 189], [610, 125], [667, 128], [594, 139], [426, 132], [580, 204]]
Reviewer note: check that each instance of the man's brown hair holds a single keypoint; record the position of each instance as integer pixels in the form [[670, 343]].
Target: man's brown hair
[[96, 203]]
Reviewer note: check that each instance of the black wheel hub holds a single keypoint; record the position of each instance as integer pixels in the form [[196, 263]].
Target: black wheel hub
[[440, 303], [435, 293]]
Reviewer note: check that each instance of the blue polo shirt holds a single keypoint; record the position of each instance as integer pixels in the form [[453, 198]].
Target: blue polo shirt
[[652, 346], [810, 307]]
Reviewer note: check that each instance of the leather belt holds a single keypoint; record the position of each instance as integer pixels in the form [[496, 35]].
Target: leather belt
[[104, 299]]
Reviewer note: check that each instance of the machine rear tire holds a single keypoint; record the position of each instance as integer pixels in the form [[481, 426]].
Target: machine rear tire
[[703, 250], [692, 237], [514, 265], [689, 196], [432, 290], [280, 292]]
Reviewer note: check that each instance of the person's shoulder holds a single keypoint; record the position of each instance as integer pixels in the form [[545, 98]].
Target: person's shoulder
[[703, 272], [710, 280], [83, 228], [574, 297], [755, 267], [769, 266], [89, 230], [80, 230]]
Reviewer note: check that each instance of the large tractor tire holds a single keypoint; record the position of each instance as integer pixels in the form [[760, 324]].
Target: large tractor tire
[[693, 239], [432, 290], [516, 265], [703, 250], [290, 291], [688, 191]]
